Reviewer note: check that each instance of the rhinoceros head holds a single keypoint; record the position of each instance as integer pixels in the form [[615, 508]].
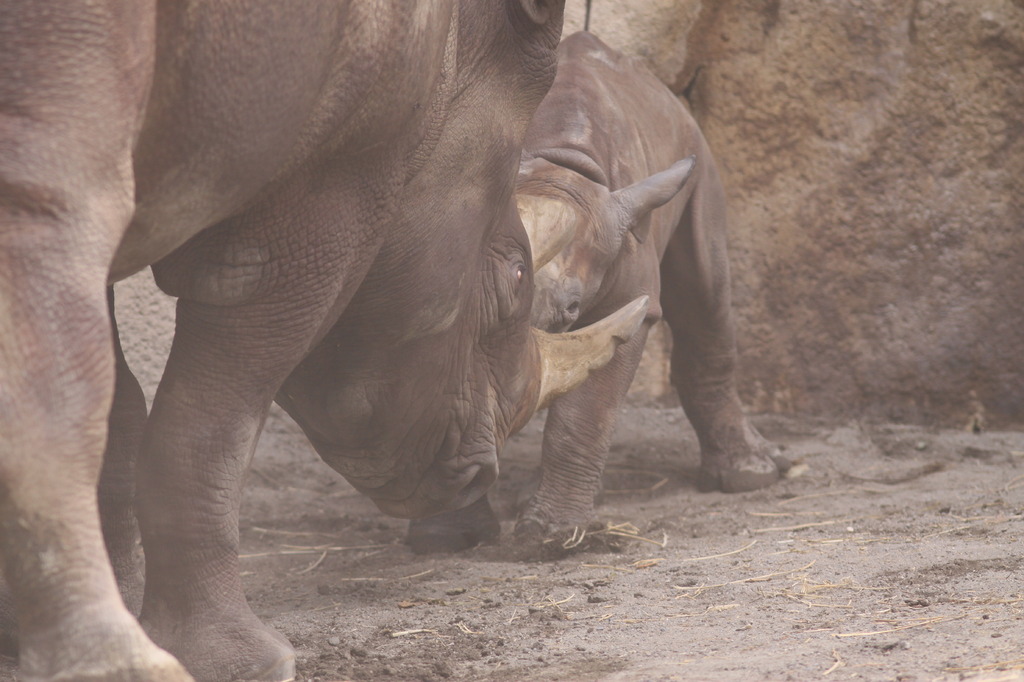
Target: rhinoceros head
[[580, 227], [433, 364], [413, 409]]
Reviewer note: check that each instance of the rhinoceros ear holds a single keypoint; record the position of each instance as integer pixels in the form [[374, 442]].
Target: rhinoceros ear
[[631, 204], [550, 224], [567, 359]]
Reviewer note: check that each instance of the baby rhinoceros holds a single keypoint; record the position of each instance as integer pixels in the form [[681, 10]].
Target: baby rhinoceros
[[621, 197]]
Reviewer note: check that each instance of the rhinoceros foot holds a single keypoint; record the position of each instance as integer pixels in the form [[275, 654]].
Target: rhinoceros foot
[[165, 669], [109, 646], [749, 464], [557, 514], [558, 507], [545, 541], [233, 648], [454, 531], [534, 524]]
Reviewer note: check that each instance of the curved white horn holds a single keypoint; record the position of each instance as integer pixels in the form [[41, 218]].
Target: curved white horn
[[550, 224], [567, 359]]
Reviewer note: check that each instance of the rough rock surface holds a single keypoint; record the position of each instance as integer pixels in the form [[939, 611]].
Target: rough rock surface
[[874, 158]]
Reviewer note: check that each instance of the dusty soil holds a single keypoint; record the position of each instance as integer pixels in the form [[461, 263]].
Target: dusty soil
[[892, 553]]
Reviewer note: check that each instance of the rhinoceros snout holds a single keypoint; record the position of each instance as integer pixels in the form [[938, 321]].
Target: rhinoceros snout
[[441, 491], [481, 481], [555, 308]]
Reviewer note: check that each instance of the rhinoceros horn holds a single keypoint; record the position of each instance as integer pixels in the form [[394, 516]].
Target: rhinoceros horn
[[550, 224], [568, 358], [631, 204]]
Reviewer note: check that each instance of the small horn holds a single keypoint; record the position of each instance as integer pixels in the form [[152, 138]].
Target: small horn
[[567, 359], [550, 224], [634, 202]]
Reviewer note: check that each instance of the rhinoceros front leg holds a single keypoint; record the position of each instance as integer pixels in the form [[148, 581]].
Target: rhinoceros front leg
[[200, 438], [577, 437], [253, 293], [696, 298], [116, 495], [74, 77], [56, 381]]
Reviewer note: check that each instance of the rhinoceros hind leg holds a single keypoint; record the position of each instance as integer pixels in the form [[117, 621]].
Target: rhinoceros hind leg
[[749, 464], [454, 531], [697, 303]]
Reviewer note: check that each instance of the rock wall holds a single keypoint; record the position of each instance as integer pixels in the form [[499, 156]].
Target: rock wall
[[873, 153]]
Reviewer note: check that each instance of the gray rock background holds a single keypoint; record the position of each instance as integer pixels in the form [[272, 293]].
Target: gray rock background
[[873, 154]]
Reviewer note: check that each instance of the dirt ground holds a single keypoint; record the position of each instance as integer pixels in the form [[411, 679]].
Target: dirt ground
[[891, 553]]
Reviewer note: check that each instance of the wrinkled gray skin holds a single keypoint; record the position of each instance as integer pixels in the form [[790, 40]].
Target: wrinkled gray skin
[[327, 187], [608, 124]]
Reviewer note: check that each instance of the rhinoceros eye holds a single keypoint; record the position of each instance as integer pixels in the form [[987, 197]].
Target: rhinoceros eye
[[509, 290]]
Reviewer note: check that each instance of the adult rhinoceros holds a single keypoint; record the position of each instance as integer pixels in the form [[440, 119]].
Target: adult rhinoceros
[[327, 188], [618, 180]]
